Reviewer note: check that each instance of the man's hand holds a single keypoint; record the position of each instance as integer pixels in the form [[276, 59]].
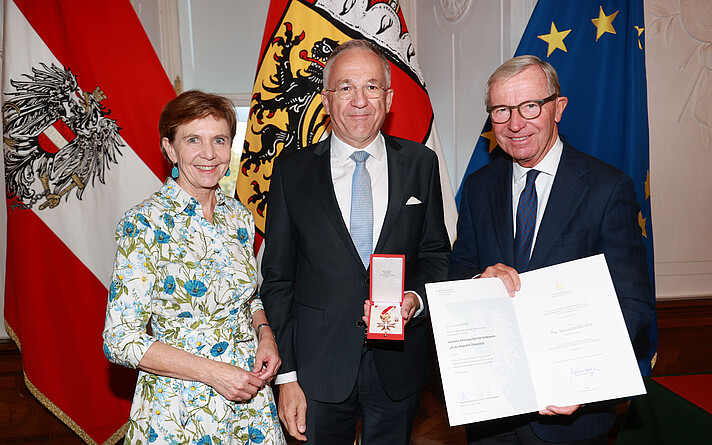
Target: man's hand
[[410, 306], [509, 277], [552, 410], [366, 311], [408, 309], [293, 410]]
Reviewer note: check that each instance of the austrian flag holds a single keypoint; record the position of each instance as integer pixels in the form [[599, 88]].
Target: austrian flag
[[82, 90]]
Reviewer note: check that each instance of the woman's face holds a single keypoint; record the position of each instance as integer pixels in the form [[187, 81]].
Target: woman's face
[[201, 150]]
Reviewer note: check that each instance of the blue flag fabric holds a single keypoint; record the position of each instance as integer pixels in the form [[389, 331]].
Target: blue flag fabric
[[598, 51]]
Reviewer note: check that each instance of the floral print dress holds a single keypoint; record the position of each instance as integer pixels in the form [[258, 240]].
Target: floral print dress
[[195, 281]]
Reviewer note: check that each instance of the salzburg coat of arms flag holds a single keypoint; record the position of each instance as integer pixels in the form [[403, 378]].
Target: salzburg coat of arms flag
[[286, 113], [82, 89]]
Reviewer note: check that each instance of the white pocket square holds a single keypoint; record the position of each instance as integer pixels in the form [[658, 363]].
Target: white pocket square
[[412, 201]]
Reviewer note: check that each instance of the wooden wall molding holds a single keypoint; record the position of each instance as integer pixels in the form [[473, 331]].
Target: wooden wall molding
[[684, 336], [685, 312]]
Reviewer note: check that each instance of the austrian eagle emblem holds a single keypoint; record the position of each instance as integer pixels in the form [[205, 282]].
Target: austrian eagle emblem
[[57, 138]]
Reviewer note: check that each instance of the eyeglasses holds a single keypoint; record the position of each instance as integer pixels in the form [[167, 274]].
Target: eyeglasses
[[346, 91], [530, 109]]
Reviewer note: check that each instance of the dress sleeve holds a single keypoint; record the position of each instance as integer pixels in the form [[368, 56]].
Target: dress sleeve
[[255, 304], [246, 220], [132, 285]]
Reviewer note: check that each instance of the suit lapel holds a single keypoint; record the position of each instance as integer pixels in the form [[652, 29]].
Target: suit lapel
[[396, 190], [567, 192], [324, 186], [501, 209]]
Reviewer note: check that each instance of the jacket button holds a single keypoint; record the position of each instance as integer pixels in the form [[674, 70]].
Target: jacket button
[[361, 324], [367, 280]]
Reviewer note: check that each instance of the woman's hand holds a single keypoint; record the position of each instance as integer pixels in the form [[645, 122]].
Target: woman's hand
[[232, 382], [267, 360], [235, 383]]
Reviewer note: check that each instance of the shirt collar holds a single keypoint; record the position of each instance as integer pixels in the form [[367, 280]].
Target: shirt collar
[[548, 165], [175, 193], [342, 151]]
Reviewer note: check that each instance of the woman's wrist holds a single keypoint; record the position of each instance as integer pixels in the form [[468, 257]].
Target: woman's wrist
[[264, 327]]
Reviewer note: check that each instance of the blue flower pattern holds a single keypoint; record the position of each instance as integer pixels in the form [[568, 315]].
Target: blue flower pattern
[[162, 237], [242, 235], [130, 229], [218, 349], [195, 288], [168, 220], [194, 281], [169, 285], [113, 290]]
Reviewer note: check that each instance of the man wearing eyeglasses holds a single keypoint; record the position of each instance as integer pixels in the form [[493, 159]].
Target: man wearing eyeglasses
[[331, 205], [544, 204]]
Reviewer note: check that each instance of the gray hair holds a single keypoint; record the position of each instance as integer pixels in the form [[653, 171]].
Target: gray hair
[[514, 66], [357, 44]]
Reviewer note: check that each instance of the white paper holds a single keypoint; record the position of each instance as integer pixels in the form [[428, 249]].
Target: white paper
[[387, 279], [560, 341]]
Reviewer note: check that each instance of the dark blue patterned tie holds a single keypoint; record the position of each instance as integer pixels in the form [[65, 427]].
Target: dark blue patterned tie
[[526, 221]]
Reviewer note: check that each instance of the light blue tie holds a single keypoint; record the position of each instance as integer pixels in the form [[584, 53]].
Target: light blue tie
[[361, 224]]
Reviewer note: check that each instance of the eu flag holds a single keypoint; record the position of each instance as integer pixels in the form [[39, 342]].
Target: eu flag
[[598, 50]]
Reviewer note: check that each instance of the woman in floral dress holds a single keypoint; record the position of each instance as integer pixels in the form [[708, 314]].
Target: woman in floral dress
[[185, 264]]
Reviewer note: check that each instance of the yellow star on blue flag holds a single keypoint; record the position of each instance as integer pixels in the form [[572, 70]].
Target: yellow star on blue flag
[[604, 23], [555, 39]]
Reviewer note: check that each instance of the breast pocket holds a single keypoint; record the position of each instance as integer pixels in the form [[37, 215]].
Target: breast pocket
[[413, 212]]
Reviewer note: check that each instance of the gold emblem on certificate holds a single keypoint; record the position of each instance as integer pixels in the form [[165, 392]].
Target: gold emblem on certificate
[[386, 298]]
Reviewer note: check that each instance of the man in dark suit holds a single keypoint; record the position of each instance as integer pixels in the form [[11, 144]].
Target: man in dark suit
[[330, 206], [544, 204]]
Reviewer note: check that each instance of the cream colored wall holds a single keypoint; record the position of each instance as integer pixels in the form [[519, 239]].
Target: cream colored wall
[[212, 45]]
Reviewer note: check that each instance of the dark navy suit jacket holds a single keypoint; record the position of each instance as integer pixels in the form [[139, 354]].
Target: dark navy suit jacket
[[315, 283], [592, 209]]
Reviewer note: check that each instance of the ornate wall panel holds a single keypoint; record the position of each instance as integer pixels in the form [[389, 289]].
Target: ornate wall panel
[[679, 66]]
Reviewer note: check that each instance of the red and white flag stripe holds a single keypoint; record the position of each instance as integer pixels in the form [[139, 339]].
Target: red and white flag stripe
[[60, 252]]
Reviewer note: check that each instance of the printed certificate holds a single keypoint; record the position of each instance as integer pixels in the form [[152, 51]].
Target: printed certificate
[[560, 341]]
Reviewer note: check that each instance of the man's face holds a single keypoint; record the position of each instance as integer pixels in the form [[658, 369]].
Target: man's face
[[358, 120], [527, 141]]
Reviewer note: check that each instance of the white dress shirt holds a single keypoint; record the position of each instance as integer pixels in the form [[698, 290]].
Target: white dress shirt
[[342, 173], [544, 181]]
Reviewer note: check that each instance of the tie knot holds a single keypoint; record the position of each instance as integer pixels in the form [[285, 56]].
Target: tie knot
[[531, 176], [360, 156]]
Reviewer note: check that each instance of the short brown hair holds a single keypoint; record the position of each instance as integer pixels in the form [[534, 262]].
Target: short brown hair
[[357, 44], [514, 66], [192, 105]]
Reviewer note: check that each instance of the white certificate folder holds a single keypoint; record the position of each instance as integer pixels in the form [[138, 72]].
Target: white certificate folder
[[560, 341]]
